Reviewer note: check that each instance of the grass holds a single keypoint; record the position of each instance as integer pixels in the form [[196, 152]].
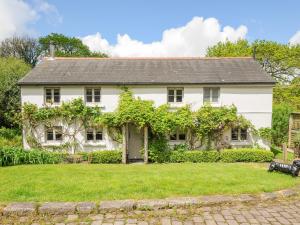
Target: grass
[[86, 182]]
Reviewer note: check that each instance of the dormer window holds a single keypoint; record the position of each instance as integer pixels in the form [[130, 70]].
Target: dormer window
[[52, 95], [92, 95], [175, 95], [211, 94]]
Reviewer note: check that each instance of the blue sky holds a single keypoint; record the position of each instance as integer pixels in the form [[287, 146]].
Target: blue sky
[[148, 26], [145, 20]]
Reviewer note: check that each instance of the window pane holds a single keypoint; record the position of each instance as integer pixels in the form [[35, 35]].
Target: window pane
[[215, 94], [49, 135], [173, 137], [58, 133], [89, 98], [243, 134], [206, 94], [97, 95], [171, 98], [181, 136], [179, 98], [179, 95], [99, 135], [179, 92], [234, 134], [48, 96], [56, 95], [89, 135], [171, 92], [89, 95]]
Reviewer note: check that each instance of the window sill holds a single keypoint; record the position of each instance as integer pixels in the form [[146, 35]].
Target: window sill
[[52, 104], [176, 104], [52, 143], [246, 142], [94, 144], [94, 104]]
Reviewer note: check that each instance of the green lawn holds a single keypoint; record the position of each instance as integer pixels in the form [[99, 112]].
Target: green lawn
[[86, 182]]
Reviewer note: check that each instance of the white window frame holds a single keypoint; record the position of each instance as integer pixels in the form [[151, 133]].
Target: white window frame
[[177, 134], [175, 89], [52, 95], [239, 134], [94, 131], [54, 130], [93, 95], [211, 95]]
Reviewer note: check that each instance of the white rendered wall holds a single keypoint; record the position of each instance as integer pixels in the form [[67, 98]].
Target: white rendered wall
[[254, 102]]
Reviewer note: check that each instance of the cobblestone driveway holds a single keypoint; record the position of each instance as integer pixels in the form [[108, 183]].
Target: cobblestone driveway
[[271, 212]]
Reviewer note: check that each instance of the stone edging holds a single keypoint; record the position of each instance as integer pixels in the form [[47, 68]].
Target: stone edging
[[63, 208]]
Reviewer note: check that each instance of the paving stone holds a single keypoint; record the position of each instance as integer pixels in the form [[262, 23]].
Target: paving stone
[[217, 199], [20, 209], [72, 218], [246, 198], [119, 205], [152, 204], [180, 202], [57, 208], [86, 207], [268, 196], [96, 217]]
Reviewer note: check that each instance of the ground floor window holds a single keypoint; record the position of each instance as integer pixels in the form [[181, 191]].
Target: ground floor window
[[54, 133], [239, 134], [178, 136], [94, 134]]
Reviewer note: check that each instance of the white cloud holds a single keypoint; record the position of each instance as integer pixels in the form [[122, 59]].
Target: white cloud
[[295, 39], [189, 40], [18, 16]]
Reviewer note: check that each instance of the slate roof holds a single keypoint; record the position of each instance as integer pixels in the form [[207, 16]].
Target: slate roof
[[125, 71]]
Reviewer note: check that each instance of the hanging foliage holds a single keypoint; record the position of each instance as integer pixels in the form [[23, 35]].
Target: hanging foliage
[[206, 125]]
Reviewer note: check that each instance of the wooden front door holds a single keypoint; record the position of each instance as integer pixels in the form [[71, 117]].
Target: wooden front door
[[135, 142]]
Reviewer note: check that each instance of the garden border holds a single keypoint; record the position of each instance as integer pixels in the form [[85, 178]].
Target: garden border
[[65, 208]]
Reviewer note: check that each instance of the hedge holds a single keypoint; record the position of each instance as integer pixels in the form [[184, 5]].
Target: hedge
[[246, 155], [106, 156], [196, 156], [10, 156]]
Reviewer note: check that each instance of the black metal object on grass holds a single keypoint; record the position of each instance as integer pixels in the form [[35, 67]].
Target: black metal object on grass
[[286, 168]]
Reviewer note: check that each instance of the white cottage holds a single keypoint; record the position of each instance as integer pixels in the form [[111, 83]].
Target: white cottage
[[177, 81]]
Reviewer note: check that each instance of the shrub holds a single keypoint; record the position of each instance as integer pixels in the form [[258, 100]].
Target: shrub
[[10, 156], [106, 156], [159, 150], [202, 156], [246, 155], [196, 156]]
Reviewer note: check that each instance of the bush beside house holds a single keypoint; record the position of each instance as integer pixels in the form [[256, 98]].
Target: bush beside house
[[10, 156]]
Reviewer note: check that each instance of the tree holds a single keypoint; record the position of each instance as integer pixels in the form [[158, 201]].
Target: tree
[[282, 61], [288, 94], [280, 123], [11, 70], [24, 48], [67, 46]]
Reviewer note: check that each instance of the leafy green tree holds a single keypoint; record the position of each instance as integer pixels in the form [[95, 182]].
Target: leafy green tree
[[280, 123], [282, 61], [11, 70], [288, 94], [67, 46], [24, 48]]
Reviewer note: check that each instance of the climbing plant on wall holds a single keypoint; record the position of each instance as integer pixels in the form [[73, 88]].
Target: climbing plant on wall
[[205, 126]]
